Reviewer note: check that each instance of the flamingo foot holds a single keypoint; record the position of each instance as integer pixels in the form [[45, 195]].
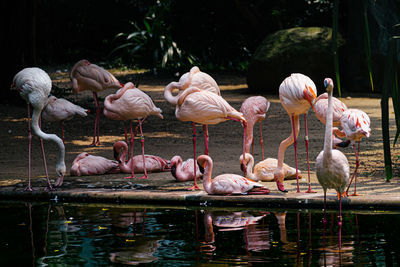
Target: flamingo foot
[[93, 144], [310, 191], [281, 187], [355, 194], [28, 188], [49, 188], [129, 177], [195, 187], [142, 177]]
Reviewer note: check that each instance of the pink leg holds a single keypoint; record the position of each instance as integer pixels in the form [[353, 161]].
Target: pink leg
[[195, 186], [29, 188], [340, 222], [126, 138], [244, 140], [295, 153], [308, 160], [142, 142], [131, 149], [62, 131], [261, 141], [205, 131], [96, 121], [44, 158], [354, 176], [324, 219]]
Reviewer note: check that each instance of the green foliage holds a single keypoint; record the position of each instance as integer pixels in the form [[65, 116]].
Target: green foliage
[[335, 17], [367, 41], [151, 44]]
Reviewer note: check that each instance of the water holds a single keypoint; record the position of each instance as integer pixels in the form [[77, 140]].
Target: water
[[40, 234]]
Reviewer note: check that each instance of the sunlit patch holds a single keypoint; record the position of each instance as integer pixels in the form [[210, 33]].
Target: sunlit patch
[[14, 120], [129, 240], [10, 182], [101, 227]]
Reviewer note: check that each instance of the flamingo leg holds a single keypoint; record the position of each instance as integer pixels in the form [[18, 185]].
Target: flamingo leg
[[295, 148], [244, 139], [29, 188], [354, 176], [261, 141], [126, 138], [205, 131], [195, 186], [44, 158], [252, 147], [340, 222], [62, 131], [131, 148], [308, 159], [142, 142], [96, 122]]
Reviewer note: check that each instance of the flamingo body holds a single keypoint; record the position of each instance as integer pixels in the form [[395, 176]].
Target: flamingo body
[[183, 170], [355, 124], [227, 184], [153, 163], [60, 109], [264, 170], [321, 107], [254, 110], [85, 164]]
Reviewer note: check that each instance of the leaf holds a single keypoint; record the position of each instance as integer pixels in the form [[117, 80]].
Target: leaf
[[367, 41], [335, 43]]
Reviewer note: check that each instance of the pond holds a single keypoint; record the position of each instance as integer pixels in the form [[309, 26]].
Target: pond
[[41, 234]]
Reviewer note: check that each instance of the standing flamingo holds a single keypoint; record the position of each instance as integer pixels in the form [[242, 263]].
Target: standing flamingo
[[85, 164], [332, 167], [152, 163], [356, 125], [202, 81], [296, 93], [34, 86], [183, 171], [200, 106], [264, 170], [87, 76], [227, 184], [254, 109], [60, 109], [130, 103]]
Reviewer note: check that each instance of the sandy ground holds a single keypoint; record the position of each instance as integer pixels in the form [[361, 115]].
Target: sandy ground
[[169, 137]]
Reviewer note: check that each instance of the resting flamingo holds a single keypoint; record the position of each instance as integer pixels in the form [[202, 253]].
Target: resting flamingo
[[227, 184], [60, 109], [200, 106], [87, 76], [356, 125], [34, 86], [152, 163], [332, 167], [264, 170], [130, 103], [85, 164], [183, 170], [202, 81], [254, 109], [296, 93]]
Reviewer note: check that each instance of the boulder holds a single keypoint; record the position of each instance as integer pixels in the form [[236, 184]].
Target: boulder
[[306, 50]]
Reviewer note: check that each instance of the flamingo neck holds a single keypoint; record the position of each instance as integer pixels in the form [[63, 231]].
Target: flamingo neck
[[207, 181], [61, 148], [168, 93], [180, 173], [249, 169], [328, 129], [249, 135], [124, 166]]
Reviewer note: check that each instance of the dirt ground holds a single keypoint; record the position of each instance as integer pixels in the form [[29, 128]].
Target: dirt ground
[[169, 137]]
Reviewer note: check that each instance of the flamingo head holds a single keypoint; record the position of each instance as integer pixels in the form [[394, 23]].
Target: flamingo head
[[328, 84], [60, 170], [310, 96], [117, 148]]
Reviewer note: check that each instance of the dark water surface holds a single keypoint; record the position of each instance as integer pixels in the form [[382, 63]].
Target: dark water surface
[[40, 234]]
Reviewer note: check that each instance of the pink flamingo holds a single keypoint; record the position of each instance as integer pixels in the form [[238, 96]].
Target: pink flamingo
[[151, 164], [183, 171], [356, 125], [200, 80], [60, 109], [87, 76], [332, 167], [264, 170], [254, 109], [296, 93], [85, 164], [34, 86], [127, 104], [227, 184], [200, 106]]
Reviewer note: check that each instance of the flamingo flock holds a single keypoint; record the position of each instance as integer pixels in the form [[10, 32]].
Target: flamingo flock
[[198, 100]]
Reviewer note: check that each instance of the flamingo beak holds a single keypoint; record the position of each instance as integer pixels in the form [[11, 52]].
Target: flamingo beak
[[312, 99]]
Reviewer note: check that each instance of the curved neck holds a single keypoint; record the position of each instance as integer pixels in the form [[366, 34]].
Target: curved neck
[[328, 128], [180, 174], [168, 93], [124, 166], [207, 176], [249, 170], [249, 135], [36, 129]]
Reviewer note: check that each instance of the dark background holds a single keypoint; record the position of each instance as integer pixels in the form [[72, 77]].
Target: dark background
[[220, 35]]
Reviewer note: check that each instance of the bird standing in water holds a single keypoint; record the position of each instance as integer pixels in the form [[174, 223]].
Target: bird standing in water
[[332, 166], [87, 76], [34, 86], [297, 94]]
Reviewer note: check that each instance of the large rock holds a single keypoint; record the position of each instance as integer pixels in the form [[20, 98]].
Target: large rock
[[306, 50]]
